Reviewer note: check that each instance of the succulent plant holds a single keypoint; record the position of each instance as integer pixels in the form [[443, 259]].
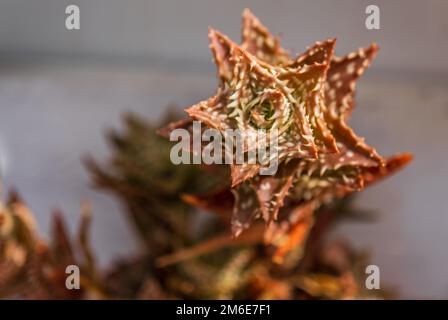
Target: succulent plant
[[308, 100]]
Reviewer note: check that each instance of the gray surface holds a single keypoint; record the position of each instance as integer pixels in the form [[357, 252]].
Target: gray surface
[[51, 115], [411, 30]]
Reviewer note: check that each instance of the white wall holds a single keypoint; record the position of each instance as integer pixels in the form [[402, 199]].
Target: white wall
[[413, 34]]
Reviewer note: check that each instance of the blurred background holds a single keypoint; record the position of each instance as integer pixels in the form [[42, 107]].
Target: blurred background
[[60, 90]]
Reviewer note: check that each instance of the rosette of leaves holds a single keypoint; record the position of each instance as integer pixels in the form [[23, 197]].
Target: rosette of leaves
[[308, 100]]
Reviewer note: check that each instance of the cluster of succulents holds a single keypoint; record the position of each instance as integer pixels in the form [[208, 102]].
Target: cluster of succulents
[[185, 255], [227, 252]]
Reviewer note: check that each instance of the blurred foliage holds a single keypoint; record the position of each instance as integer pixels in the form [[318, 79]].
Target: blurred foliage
[[188, 254]]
